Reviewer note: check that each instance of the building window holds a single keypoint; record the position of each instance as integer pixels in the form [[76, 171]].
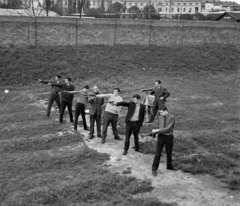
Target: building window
[[141, 4], [178, 9], [93, 2], [190, 4], [172, 3], [166, 3], [136, 4], [190, 9], [172, 9], [130, 4], [178, 3], [166, 9], [184, 9], [159, 9], [184, 4]]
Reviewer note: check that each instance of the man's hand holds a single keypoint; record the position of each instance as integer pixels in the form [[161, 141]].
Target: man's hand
[[65, 91], [161, 98], [155, 130], [49, 83], [39, 80]]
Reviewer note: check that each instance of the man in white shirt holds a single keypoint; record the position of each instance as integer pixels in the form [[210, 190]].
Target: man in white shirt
[[111, 113]]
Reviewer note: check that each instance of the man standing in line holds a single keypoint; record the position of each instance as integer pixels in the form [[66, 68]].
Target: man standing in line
[[80, 106], [66, 98], [111, 114], [165, 138], [161, 94], [95, 111], [54, 95], [134, 120]]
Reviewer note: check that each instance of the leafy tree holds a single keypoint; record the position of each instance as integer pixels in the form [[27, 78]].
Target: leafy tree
[[94, 12], [134, 11], [116, 8], [149, 12]]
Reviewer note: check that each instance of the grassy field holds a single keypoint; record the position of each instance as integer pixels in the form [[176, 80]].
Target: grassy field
[[43, 164]]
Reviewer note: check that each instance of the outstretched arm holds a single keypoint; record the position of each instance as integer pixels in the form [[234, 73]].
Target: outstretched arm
[[104, 95], [146, 90], [44, 81], [125, 104]]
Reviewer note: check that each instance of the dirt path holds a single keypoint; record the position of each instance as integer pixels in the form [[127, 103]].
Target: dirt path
[[170, 186]]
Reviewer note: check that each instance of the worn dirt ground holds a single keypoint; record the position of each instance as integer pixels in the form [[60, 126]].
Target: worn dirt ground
[[170, 186]]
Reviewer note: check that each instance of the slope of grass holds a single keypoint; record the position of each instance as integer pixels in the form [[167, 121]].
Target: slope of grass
[[42, 163], [204, 86], [23, 65]]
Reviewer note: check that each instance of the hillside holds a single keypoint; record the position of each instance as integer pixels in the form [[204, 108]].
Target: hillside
[[23, 65]]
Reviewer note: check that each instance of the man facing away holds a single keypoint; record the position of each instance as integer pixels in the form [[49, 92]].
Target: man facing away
[[66, 98], [134, 120], [54, 94], [111, 114], [95, 111], [165, 138], [161, 94], [80, 106]]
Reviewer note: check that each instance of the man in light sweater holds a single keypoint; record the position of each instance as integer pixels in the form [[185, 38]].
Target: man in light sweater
[[80, 106], [111, 114]]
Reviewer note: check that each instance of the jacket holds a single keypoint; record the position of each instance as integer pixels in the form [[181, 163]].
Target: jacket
[[55, 90], [131, 108], [160, 92], [65, 97], [95, 105]]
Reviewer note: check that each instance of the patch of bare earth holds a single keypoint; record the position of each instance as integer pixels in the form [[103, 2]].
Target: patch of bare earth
[[169, 186]]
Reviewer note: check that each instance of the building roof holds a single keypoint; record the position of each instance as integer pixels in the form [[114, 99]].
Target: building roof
[[227, 3], [235, 15]]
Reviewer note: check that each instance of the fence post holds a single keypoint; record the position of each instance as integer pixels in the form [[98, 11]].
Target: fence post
[[115, 25], [35, 31], [76, 27]]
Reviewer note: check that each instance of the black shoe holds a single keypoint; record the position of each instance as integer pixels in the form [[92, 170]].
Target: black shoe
[[139, 150], [86, 128], [118, 138], [171, 168], [100, 136], [103, 141], [124, 152], [91, 136], [154, 172]]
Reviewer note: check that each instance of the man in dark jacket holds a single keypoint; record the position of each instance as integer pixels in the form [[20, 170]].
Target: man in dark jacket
[[161, 94], [54, 94], [66, 98], [95, 112], [134, 121]]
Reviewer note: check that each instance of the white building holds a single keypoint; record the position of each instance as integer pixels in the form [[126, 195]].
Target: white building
[[172, 7]]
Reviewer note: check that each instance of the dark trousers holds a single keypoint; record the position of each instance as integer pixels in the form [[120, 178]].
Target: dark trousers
[[107, 119], [156, 105], [166, 140], [80, 109], [132, 127], [67, 104], [52, 98], [94, 118]]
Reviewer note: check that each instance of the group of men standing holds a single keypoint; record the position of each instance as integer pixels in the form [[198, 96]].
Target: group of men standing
[[63, 94]]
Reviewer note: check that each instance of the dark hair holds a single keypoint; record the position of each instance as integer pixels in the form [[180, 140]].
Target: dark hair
[[163, 109], [118, 89], [58, 76], [69, 79], [158, 81], [86, 87], [137, 96]]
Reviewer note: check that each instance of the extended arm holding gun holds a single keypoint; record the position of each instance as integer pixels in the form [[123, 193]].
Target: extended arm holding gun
[[146, 90]]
